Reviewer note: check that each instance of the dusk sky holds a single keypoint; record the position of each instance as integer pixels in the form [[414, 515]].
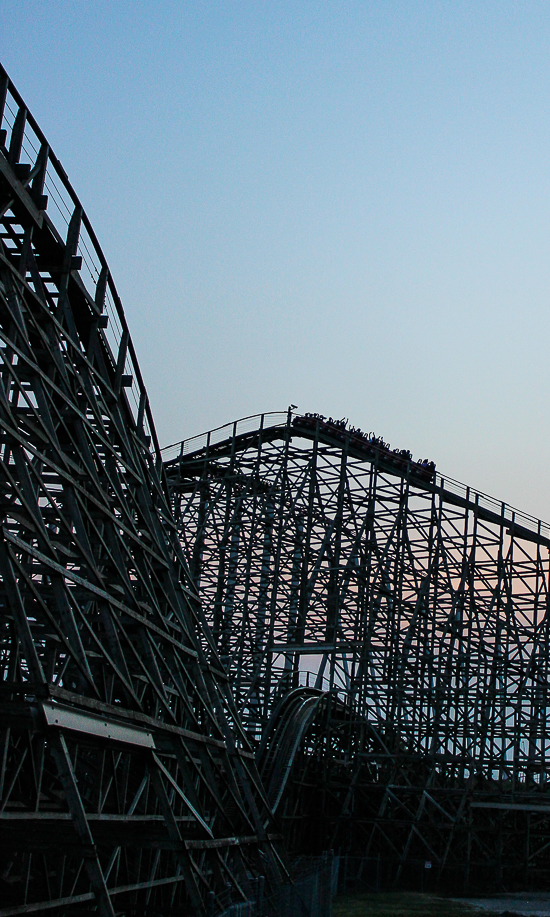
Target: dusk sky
[[344, 206]]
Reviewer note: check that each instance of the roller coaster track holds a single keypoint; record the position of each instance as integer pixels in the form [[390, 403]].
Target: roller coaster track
[[127, 783], [283, 737], [326, 559]]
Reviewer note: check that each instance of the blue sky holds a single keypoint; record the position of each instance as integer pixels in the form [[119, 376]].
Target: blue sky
[[345, 206]]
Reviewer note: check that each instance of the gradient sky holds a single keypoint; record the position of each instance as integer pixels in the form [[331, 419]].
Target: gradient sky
[[345, 206]]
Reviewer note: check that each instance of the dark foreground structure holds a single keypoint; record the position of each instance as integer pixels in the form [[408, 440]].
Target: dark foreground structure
[[387, 635], [127, 784]]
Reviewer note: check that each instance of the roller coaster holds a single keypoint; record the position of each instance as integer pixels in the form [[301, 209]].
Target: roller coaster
[[278, 638], [127, 784], [417, 606]]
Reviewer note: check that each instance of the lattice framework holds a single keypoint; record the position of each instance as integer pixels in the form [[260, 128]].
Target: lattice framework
[[419, 602], [126, 780]]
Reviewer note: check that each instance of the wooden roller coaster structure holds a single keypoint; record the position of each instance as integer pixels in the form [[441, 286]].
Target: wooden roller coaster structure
[[127, 784], [329, 562], [281, 622]]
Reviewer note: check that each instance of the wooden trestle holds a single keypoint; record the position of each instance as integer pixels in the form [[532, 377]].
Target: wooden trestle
[[127, 784], [419, 606]]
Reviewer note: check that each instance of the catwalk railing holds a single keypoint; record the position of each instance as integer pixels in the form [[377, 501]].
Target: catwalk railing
[[43, 185], [277, 421]]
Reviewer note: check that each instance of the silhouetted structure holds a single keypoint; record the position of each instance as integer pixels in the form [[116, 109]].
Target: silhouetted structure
[[417, 607], [374, 636], [126, 782]]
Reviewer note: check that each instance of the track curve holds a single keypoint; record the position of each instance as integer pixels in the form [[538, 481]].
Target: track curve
[[282, 739]]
